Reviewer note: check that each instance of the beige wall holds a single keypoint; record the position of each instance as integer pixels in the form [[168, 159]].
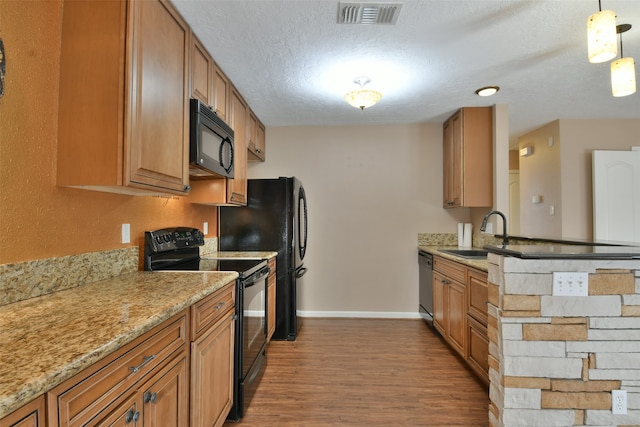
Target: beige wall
[[37, 219], [562, 174], [371, 190], [580, 138], [540, 176]]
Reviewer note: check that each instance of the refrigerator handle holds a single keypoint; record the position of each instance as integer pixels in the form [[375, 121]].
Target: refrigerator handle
[[301, 272]]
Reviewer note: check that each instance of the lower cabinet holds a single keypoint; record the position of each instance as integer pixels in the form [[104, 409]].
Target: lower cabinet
[[460, 312], [30, 415], [212, 353], [180, 373]]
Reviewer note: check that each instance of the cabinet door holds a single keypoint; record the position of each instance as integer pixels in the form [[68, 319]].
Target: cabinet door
[[256, 139], [212, 374], [440, 305], [201, 72], [221, 89], [237, 187], [452, 147], [457, 317], [478, 349], [158, 111], [30, 415], [166, 397]]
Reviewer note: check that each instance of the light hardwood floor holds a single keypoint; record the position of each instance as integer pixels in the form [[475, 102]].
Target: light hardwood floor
[[366, 372]]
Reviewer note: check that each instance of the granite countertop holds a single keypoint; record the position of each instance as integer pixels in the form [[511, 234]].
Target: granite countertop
[[566, 251], [479, 264], [240, 254], [47, 339]]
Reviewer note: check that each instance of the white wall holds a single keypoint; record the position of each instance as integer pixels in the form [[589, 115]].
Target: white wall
[[371, 190]]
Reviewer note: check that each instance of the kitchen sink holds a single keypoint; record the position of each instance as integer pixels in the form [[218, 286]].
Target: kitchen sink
[[467, 253]]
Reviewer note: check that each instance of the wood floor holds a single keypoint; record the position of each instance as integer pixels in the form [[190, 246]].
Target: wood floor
[[365, 372]]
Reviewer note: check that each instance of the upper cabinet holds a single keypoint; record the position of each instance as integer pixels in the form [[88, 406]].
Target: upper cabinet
[[201, 72], [123, 107], [256, 145], [221, 89], [468, 158]]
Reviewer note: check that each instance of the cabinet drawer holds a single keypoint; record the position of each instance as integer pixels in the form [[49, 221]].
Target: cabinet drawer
[[477, 291], [207, 312], [85, 395], [451, 269], [30, 415], [272, 265]]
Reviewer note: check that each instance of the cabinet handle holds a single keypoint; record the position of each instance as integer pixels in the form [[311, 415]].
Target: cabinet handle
[[219, 306], [145, 360], [132, 416], [150, 397]]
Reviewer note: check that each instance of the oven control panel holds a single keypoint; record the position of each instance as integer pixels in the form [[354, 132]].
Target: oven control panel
[[168, 239]]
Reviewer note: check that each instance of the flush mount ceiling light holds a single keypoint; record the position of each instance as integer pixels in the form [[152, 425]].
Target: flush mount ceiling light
[[623, 71], [362, 98], [487, 90], [601, 36]]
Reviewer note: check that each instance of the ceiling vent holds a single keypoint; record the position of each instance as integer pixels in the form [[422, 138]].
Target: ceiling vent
[[368, 13]]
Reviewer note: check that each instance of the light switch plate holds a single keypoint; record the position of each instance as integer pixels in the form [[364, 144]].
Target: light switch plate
[[570, 284], [126, 233]]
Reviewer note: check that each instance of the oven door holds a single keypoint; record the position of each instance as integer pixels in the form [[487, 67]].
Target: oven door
[[254, 312]]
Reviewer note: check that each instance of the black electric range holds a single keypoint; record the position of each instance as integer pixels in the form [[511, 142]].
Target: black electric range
[[178, 249]]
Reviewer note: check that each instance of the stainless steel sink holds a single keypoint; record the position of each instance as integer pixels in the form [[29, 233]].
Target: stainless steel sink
[[467, 253]]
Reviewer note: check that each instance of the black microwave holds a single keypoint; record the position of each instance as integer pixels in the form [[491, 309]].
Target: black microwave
[[210, 144]]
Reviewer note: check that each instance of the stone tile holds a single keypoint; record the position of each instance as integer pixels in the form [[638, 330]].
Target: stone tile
[[521, 302], [581, 306], [606, 418], [614, 323], [617, 360], [546, 367], [538, 418], [555, 332], [614, 335], [611, 283], [603, 346], [534, 348], [522, 398], [528, 284], [511, 331], [584, 386], [576, 400], [527, 382], [614, 374]]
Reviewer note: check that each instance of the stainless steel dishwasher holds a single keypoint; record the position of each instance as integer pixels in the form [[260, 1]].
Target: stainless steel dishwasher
[[425, 286]]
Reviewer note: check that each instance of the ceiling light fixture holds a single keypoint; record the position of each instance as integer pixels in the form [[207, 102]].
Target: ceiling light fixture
[[487, 90], [362, 98], [601, 36], [623, 71]]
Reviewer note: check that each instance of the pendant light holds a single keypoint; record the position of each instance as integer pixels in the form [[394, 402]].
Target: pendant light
[[362, 98], [623, 71], [601, 36]]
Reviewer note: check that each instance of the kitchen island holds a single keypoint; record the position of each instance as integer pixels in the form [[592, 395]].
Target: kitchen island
[[554, 358]]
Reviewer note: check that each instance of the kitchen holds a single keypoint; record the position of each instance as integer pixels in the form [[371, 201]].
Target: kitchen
[[77, 221]]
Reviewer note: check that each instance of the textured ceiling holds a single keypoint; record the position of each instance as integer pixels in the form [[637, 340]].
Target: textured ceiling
[[293, 62]]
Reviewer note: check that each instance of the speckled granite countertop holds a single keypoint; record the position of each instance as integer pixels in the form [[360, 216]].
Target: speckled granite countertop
[[239, 254], [480, 264], [48, 339]]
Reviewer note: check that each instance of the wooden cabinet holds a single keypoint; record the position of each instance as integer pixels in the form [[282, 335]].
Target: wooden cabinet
[[221, 90], [116, 389], [201, 72], [256, 147], [123, 104], [30, 415], [468, 158], [450, 310], [460, 311], [212, 352], [478, 342], [271, 299]]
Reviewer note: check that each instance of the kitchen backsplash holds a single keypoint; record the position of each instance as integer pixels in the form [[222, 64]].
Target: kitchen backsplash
[[23, 280]]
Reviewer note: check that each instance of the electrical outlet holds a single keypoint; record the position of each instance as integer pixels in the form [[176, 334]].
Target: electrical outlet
[[619, 401], [205, 228], [570, 284]]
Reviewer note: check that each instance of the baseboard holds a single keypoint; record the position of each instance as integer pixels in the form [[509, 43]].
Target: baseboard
[[361, 314]]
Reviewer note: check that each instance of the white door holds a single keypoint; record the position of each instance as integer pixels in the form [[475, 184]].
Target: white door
[[616, 195], [514, 202]]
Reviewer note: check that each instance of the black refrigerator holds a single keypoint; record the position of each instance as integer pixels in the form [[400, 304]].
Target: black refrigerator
[[275, 219]]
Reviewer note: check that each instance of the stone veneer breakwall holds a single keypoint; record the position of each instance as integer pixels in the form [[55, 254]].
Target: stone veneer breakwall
[[553, 360]]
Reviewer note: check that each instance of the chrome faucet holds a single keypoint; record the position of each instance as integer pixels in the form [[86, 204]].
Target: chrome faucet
[[505, 237]]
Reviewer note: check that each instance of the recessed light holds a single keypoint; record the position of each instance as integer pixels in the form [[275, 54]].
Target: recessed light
[[487, 91]]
